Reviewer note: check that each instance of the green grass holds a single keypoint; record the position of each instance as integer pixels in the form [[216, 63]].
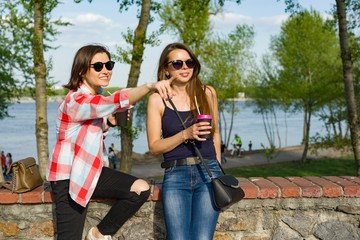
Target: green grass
[[343, 166]]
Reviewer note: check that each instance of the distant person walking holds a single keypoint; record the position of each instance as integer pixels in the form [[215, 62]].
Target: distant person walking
[[112, 157], [115, 159], [3, 162], [8, 160], [250, 146], [114, 148], [223, 148], [8, 163], [237, 146]]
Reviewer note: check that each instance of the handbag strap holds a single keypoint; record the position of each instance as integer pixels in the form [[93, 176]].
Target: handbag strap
[[198, 153]]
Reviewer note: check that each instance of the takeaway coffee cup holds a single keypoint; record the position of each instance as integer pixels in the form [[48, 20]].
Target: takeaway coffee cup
[[204, 118], [121, 118]]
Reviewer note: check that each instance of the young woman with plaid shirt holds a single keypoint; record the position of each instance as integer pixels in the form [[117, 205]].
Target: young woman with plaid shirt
[[78, 169]]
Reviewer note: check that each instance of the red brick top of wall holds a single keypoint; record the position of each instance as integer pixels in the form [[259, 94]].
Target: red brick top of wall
[[255, 187]]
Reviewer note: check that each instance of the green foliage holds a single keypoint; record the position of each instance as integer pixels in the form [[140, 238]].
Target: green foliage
[[352, 15], [16, 36], [9, 63], [307, 52], [354, 44], [329, 141], [226, 63], [189, 20], [270, 152], [334, 116], [303, 72]]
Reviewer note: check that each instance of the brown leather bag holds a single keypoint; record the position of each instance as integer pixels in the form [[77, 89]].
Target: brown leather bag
[[25, 176]]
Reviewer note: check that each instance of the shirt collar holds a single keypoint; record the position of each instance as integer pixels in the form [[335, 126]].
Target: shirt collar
[[85, 89]]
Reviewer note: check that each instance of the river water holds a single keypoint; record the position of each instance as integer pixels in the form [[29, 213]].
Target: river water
[[17, 134]]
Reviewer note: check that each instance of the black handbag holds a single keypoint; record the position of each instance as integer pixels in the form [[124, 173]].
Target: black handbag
[[226, 188], [226, 191]]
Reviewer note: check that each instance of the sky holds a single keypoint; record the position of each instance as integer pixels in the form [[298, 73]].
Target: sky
[[101, 22]]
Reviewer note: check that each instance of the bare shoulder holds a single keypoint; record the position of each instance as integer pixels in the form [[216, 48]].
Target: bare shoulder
[[156, 102], [210, 91], [155, 98]]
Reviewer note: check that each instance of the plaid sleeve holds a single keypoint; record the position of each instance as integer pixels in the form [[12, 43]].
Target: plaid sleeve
[[82, 106]]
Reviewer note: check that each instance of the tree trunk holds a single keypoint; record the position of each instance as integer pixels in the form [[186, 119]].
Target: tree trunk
[[137, 58], [353, 118], [40, 80], [307, 121]]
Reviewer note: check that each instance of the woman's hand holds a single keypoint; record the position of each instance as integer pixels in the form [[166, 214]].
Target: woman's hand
[[196, 130], [163, 87]]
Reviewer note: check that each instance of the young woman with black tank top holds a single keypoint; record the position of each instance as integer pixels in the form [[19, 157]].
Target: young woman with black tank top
[[188, 207]]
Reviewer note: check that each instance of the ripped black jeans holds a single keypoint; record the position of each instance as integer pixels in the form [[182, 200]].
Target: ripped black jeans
[[70, 216]]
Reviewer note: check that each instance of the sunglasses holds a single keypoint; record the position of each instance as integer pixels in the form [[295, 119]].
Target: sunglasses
[[178, 64], [98, 66]]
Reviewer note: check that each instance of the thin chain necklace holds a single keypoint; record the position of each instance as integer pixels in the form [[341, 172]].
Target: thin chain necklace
[[182, 105]]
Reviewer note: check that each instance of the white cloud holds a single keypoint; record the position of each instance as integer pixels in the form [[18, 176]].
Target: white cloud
[[272, 20], [229, 20], [91, 21], [90, 28], [91, 18]]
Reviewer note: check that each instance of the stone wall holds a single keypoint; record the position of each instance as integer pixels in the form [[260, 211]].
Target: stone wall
[[273, 208]]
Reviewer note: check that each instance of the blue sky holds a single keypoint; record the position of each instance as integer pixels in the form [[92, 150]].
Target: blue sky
[[102, 23]]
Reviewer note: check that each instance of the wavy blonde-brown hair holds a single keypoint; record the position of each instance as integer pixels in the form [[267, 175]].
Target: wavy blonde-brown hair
[[195, 86]]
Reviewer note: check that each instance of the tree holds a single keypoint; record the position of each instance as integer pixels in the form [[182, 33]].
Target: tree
[[306, 51], [138, 48], [342, 8], [29, 23], [350, 97], [9, 59], [189, 20], [40, 83], [267, 99], [226, 61]]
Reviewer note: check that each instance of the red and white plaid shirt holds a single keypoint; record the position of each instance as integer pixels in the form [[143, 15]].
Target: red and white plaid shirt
[[78, 152]]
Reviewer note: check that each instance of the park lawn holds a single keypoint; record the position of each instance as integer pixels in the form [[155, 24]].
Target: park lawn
[[343, 166]]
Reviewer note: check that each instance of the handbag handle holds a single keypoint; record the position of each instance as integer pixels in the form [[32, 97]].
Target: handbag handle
[[198, 153]]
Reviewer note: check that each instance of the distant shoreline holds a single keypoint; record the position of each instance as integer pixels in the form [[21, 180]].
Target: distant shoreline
[[60, 98], [32, 100]]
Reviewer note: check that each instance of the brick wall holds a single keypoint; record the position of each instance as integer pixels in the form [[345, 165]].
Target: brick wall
[[269, 211]]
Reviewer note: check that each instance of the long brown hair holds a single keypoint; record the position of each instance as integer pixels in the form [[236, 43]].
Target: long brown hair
[[195, 86], [81, 64]]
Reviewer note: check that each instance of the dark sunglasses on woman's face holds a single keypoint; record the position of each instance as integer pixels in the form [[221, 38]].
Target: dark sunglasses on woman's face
[[98, 66], [178, 64]]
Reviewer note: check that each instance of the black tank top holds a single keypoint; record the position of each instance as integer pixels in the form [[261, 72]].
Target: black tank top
[[171, 125]]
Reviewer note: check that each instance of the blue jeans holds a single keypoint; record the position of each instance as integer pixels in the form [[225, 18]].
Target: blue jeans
[[189, 210]]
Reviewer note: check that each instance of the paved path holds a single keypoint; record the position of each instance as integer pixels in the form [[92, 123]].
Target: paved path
[[248, 159]]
